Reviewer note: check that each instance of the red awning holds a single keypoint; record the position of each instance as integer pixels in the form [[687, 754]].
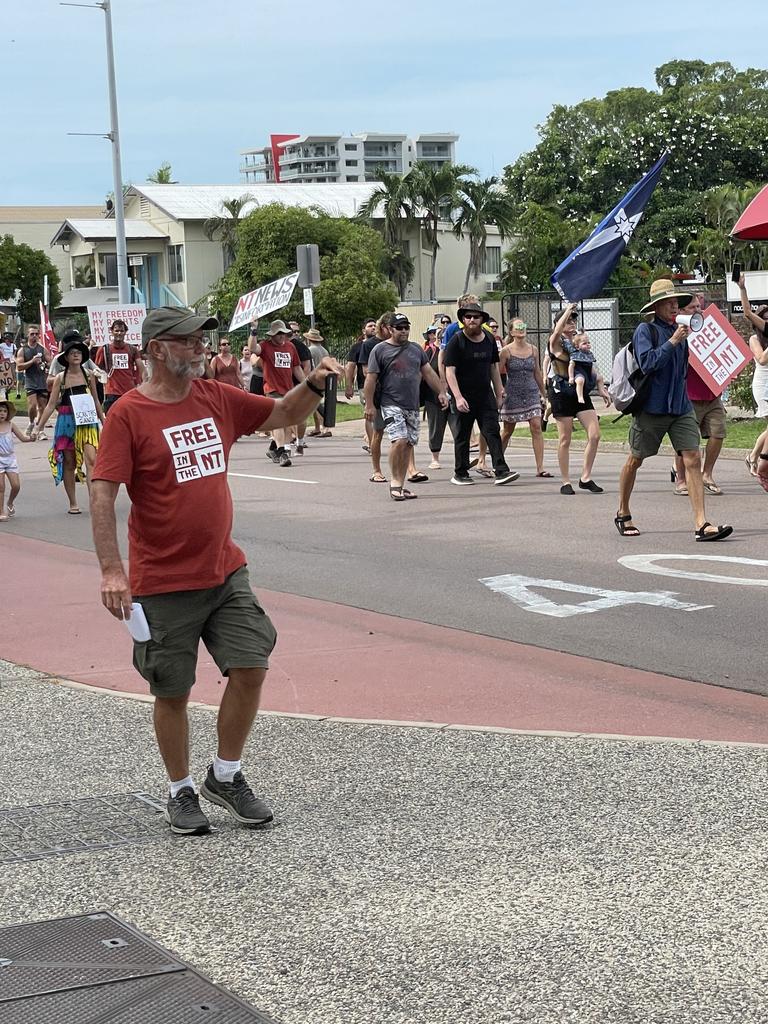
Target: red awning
[[752, 225]]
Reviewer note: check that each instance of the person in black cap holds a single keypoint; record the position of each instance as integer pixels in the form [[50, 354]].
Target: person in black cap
[[168, 441], [471, 361], [76, 438]]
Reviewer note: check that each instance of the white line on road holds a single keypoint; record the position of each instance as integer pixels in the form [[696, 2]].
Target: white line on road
[[281, 479], [647, 563]]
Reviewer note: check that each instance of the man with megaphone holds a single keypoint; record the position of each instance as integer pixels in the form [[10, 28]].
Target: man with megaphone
[[708, 409], [661, 351]]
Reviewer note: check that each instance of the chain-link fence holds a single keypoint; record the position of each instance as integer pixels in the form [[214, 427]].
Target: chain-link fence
[[610, 320]]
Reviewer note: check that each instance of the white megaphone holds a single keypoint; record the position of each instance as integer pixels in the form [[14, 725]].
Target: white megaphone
[[694, 322]]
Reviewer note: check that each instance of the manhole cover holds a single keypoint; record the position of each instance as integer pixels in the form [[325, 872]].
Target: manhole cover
[[71, 826], [96, 968]]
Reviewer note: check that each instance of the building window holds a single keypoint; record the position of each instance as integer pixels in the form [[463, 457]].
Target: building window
[[175, 263], [108, 269], [351, 163], [492, 260], [350, 148]]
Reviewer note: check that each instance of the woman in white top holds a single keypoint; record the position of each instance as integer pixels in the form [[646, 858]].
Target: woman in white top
[[758, 343]]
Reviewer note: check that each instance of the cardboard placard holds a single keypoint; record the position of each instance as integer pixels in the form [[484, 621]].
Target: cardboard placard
[[717, 352], [100, 318], [7, 374], [263, 300]]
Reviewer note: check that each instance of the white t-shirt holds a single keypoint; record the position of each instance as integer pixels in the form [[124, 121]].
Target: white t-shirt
[[7, 349]]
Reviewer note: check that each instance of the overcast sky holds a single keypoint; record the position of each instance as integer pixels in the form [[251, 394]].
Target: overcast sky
[[198, 82]]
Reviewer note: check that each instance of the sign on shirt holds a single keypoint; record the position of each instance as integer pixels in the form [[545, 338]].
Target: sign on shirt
[[717, 352], [263, 300], [196, 449], [83, 410], [101, 317]]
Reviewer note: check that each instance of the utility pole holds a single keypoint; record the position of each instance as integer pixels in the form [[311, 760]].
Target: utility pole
[[121, 249]]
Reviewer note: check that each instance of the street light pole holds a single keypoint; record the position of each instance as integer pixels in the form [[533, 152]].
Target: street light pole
[[121, 249]]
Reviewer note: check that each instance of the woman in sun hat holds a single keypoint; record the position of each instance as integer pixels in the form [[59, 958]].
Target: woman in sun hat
[[79, 414]]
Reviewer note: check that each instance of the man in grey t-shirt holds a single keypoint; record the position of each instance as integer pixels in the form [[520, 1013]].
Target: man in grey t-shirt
[[401, 364]]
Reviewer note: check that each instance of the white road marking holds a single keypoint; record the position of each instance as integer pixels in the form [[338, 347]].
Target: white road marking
[[519, 589], [282, 479], [647, 563]]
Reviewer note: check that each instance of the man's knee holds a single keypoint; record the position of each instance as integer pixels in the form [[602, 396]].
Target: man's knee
[[691, 459], [633, 463], [247, 678]]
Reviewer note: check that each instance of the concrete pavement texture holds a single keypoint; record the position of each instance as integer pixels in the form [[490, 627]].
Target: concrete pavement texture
[[419, 874]]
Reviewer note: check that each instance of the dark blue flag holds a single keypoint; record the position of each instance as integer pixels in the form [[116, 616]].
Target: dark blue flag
[[583, 274]]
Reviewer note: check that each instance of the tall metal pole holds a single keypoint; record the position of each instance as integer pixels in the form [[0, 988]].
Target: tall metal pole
[[121, 249]]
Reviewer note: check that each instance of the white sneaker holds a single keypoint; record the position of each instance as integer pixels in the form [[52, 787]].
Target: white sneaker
[[434, 464], [42, 436]]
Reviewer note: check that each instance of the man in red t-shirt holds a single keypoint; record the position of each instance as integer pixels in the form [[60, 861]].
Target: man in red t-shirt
[[122, 363], [168, 441], [282, 369], [709, 411]]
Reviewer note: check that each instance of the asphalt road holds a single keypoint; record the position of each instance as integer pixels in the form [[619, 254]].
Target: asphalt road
[[320, 529]]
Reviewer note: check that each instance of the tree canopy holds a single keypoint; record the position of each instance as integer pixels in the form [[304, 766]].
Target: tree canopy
[[352, 255], [712, 117], [23, 268]]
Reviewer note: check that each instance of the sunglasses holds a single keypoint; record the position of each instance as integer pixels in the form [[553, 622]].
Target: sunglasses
[[401, 327], [473, 316]]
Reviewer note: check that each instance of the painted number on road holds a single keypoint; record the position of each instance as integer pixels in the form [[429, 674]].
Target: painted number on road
[[523, 591]]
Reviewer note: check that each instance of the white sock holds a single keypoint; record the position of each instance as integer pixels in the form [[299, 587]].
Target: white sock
[[225, 771], [177, 786]]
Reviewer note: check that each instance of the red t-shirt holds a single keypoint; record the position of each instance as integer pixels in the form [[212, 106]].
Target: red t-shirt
[[172, 458], [697, 389], [278, 361], [122, 366]]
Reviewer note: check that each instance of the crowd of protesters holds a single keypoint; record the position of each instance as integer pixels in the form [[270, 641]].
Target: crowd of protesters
[[462, 377]]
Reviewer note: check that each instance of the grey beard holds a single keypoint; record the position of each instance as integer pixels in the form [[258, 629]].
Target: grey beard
[[182, 369]]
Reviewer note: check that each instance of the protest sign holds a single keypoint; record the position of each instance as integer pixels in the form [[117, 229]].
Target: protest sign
[[263, 300], [717, 352], [7, 375], [47, 337], [100, 318]]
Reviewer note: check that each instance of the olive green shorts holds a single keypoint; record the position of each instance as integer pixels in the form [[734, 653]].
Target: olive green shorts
[[228, 619], [648, 430], [711, 418]]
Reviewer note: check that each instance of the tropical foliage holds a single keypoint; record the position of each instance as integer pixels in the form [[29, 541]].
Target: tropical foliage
[[22, 270], [162, 176], [226, 225]]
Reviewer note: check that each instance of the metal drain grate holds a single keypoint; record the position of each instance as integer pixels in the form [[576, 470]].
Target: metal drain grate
[[96, 968], [72, 826]]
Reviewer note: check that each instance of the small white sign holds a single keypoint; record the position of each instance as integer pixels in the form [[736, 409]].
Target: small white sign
[[84, 410], [263, 300], [101, 317], [309, 305]]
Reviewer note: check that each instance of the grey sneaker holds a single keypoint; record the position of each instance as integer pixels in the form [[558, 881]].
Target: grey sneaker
[[183, 814], [283, 458], [273, 452], [462, 481], [237, 798], [506, 478]]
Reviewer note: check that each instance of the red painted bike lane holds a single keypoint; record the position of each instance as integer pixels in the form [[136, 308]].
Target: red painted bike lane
[[337, 661]]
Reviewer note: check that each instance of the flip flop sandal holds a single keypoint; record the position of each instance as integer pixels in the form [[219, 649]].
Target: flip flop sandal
[[545, 473], [482, 471], [377, 479], [751, 465], [325, 433], [624, 530], [3, 519], [712, 488], [313, 433], [396, 494], [409, 494], [74, 512], [721, 532], [680, 489], [11, 511], [418, 478]]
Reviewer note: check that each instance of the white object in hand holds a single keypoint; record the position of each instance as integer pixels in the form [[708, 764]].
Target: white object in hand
[[137, 625]]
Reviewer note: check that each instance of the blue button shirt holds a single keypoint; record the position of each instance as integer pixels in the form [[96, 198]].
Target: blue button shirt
[[668, 366]]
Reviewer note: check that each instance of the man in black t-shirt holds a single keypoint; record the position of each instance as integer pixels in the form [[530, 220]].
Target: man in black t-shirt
[[354, 373], [471, 360]]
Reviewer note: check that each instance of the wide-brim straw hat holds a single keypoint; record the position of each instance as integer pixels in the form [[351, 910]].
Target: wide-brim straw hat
[[661, 290], [313, 335]]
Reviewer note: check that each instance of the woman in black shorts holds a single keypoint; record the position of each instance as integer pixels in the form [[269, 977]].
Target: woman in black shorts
[[566, 406]]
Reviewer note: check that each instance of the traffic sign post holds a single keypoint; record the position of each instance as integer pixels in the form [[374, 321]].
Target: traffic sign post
[[308, 266]]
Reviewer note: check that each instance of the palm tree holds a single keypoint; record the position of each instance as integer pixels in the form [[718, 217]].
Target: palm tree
[[481, 203], [226, 225], [435, 191], [391, 202], [162, 176]]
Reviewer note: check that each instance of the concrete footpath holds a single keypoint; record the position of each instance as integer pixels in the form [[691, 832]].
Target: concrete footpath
[[421, 874]]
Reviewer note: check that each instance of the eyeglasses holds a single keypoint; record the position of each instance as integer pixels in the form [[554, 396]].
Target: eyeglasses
[[493, 326], [188, 343], [473, 316]]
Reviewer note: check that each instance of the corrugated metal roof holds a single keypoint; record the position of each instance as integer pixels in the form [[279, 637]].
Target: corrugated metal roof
[[199, 202], [100, 228], [44, 214]]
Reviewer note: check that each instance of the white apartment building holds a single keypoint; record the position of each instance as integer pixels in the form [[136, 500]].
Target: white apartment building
[[331, 159]]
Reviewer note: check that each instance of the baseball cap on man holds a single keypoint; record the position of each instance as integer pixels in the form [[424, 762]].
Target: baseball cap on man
[[399, 320], [174, 320]]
